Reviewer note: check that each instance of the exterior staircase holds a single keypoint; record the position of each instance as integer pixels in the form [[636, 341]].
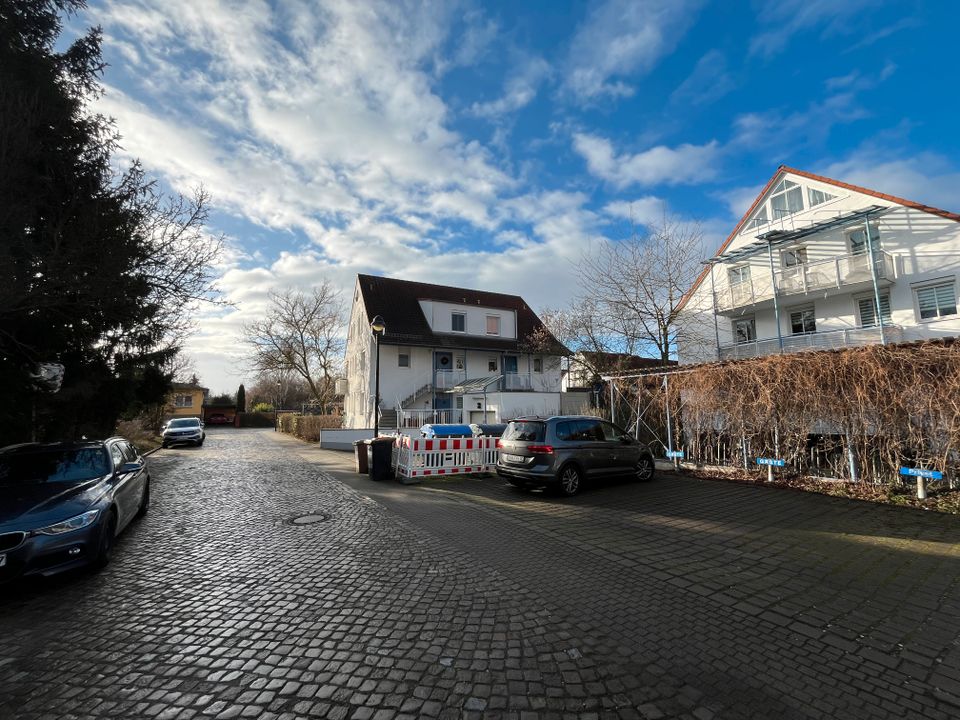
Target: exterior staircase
[[388, 419], [413, 400]]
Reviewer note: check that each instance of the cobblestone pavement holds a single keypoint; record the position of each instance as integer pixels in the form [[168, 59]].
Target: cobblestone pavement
[[466, 598]]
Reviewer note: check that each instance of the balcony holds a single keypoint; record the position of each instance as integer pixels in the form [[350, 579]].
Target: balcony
[[448, 379], [826, 340], [844, 273], [531, 382]]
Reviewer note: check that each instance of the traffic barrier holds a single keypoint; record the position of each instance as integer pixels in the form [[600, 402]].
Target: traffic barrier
[[420, 457]]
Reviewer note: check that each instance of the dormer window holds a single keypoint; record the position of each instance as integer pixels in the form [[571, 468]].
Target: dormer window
[[787, 199], [458, 322]]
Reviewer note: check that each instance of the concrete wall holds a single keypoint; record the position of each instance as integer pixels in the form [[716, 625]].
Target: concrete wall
[[343, 439]]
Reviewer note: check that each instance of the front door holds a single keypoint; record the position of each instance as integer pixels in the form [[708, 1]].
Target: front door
[[510, 364], [442, 366]]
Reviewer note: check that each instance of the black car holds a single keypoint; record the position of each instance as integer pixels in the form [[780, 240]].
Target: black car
[[564, 452], [63, 504]]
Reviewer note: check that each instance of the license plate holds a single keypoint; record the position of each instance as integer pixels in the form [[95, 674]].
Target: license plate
[[514, 458], [3, 560]]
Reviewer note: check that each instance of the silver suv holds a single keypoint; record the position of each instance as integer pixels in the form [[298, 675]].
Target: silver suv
[[183, 430], [563, 452]]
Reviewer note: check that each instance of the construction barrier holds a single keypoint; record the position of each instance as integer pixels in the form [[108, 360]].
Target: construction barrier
[[420, 457]]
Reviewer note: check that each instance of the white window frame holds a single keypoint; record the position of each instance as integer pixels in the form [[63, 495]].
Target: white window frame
[[802, 309], [784, 192], [492, 364], [406, 355], [760, 218], [499, 325], [935, 283], [737, 272], [794, 251], [745, 318], [866, 246], [828, 197], [178, 400], [458, 314], [857, 299], [538, 365]]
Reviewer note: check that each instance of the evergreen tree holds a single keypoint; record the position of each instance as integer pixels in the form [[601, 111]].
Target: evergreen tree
[[241, 399]]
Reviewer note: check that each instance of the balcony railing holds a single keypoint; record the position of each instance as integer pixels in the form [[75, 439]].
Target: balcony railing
[[531, 382], [448, 379], [826, 340], [836, 272], [419, 418]]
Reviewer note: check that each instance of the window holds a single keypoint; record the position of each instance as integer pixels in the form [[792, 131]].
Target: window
[[760, 218], [740, 275], [538, 365], [129, 453], [936, 301], [183, 401], [611, 433], [858, 241], [868, 310], [818, 197], [744, 330], [793, 257], [458, 322], [459, 402], [116, 455], [787, 199], [492, 365], [403, 360], [493, 324], [802, 321]]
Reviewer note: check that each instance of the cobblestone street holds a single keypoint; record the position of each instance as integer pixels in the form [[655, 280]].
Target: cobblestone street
[[467, 598]]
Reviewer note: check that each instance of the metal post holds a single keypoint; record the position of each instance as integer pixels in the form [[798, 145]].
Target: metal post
[[921, 489], [873, 275], [376, 393], [613, 414], [776, 302], [713, 295], [666, 400]]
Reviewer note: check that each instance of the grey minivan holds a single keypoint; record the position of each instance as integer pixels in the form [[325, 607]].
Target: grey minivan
[[565, 451]]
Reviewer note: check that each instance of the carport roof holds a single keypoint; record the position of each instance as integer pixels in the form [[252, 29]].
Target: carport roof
[[474, 385]]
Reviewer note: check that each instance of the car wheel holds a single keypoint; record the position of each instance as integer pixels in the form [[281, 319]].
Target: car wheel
[[164, 445], [144, 500], [570, 481], [644, 469], [107, 536], [200, 443]]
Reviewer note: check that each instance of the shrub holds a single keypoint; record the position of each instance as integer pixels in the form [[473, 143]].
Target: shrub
[[255, 420], [308, 427]]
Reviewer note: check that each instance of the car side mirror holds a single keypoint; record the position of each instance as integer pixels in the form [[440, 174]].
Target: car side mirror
[[626, 439], [131, 467]]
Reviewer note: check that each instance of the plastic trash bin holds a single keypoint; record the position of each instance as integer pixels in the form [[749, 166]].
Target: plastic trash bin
[[381, 455], [360, 453]]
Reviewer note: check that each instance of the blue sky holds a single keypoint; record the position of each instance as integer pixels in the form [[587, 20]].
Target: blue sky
[[491, 144]]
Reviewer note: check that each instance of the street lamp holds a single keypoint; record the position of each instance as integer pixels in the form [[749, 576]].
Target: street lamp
[[379, 327], [276, 409]]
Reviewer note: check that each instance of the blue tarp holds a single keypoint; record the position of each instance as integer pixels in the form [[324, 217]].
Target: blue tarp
[[446, 431]]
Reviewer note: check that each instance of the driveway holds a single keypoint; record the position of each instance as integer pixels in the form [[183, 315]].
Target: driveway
[[466, 598]]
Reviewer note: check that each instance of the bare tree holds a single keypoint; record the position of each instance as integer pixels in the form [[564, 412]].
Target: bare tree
[[632, 289], [302, 334]]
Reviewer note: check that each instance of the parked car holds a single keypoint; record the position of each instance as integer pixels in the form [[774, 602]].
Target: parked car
[[564, 452], [219, 419], [63, 504], [488, 429], [183, 430]]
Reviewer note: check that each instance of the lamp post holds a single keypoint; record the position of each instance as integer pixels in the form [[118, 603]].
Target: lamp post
[[276, 409], [379, 327]]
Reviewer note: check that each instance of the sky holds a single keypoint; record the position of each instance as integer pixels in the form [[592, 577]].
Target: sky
[[490, 145]]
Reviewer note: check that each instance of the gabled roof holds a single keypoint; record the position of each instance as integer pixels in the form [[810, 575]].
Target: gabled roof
[[783, 170], [398, 303]]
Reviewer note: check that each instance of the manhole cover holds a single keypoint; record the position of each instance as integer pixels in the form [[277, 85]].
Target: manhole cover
[[310, 519]]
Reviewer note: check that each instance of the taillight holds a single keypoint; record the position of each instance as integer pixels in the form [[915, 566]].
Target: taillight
[[499, 444], [541, 449]]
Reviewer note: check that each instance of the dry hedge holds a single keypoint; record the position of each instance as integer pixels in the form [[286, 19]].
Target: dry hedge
[[856, 413], [308, 427]]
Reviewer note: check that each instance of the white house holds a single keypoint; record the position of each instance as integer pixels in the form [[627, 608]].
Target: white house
[[447, 355], [796, 273]]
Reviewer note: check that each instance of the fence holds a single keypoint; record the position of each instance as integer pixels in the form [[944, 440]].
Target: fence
[[419, 457]]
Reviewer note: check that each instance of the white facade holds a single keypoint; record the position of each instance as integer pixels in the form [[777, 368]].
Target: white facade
[[416, 379], [822, 285]]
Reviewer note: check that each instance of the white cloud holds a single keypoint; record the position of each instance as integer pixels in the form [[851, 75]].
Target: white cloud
[[926, 178], [518, 92], [785, 18], [657, 165], [622, 38], [647, 210], [709, 81]]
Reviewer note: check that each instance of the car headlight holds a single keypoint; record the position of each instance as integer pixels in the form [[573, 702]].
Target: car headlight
[[74, 523]]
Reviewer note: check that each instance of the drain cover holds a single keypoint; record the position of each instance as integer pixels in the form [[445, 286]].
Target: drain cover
[[310, 519]]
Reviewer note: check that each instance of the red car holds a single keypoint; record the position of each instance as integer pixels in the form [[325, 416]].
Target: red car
[[219, 419]]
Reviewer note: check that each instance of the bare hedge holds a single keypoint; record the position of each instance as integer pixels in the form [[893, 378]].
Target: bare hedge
[[857, 413], [308, 427]]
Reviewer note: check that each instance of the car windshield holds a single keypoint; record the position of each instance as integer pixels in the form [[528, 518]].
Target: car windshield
[[53, 466], [184, 422], [524, 430]]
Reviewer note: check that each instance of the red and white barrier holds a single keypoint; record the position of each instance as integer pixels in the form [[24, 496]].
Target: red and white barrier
[[420, 457]]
